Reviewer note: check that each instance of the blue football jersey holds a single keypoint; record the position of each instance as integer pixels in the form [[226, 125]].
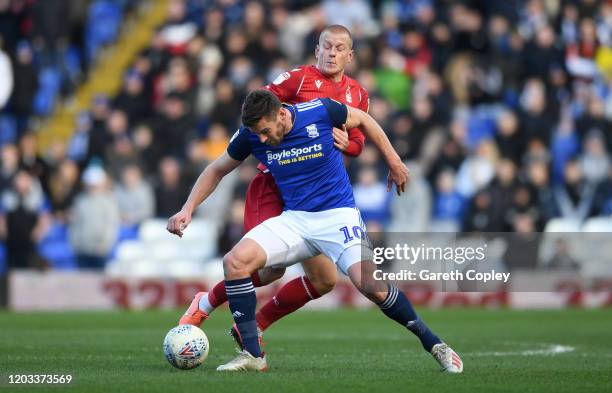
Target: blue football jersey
[[308, 170]]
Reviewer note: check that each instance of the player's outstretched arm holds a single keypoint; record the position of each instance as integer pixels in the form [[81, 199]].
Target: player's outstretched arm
[[203, 187], [398, 172]]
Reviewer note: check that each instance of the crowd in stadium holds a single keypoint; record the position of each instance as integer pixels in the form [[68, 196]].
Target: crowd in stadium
[[502, 110]]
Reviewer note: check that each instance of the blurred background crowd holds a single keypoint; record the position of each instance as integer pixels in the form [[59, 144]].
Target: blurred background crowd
[[501, 109]]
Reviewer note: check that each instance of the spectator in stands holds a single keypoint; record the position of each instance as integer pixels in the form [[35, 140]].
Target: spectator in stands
[[94, 220], [170, 191], [371, 196], [411, 211], [215, 143], [595, 160], [564, 147], [522, 249], [537, 121], [9, 164], [508, 137], [594, 119], [562, 258], [25, 84], [451, 156], [233, 230], [24, 220], [31, 160], [63, 189], [178, 82], [478, 170], [522, 203], [539, 179], [574, 196], [481, 216], [98, 137], [502, 188], [173, 128], [121, 154], [226, 101], [133, 99], [448, 204], [401, 129], [146, 148], [78, 147], [135, 197], [602, 201]]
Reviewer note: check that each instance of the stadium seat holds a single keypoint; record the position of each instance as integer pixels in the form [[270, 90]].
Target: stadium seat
[[102, 26], [598, 224], [449, 226], [202, 230], [146, 268], [114, 268], [49, 80], [8, 129], [56, 248], [127, 232], [199, 229], [562, 225], [133, 249], [153, 230], [198, 250], [2, 258], [59, 254], [185, 268]]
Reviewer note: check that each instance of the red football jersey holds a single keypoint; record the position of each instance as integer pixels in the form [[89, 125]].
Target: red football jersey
[[306, 83]]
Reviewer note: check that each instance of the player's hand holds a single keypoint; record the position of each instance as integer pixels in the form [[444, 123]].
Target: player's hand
[[398, 175], [341, 138], [178, 222]]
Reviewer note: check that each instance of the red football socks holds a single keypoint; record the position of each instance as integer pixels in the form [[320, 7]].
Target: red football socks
[[292, 296]]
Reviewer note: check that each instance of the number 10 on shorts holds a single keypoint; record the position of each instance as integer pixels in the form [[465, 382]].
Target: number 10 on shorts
[[358, 233]]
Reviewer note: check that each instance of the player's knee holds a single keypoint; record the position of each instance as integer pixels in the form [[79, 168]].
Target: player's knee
[[236, 266]]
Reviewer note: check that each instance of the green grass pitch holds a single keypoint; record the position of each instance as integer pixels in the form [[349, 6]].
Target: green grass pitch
[[324, 351]]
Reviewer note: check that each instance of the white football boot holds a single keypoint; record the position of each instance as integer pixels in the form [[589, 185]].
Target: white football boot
[[447, 358], [245, 362]]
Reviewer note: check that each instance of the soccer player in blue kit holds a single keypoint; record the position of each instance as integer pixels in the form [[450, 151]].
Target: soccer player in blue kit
[[296, 144]]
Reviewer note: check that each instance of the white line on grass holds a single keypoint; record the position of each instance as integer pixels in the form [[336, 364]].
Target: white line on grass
[[550, 350]]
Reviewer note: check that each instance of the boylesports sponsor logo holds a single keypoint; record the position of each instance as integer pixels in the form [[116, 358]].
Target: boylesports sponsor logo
[[295, 153]]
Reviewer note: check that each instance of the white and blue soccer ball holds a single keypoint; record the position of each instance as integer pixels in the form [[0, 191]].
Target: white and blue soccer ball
[[186, 347]]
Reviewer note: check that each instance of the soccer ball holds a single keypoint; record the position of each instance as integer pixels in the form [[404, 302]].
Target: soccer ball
[[186, 347]]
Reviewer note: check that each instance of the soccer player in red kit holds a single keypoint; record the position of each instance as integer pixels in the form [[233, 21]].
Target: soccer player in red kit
[[263, 200]]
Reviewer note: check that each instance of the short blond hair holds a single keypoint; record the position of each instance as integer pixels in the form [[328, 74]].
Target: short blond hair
[[337, 29]]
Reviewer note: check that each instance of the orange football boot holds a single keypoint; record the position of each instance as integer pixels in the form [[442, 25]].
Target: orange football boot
[[194, 316]]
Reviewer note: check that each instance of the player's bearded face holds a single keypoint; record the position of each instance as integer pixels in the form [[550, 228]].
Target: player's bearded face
[[333, 52], [270, 130]]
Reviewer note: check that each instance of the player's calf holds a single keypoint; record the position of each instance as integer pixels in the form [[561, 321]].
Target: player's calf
[[321, 273], [392, 302], [246, 257], [268, 275]]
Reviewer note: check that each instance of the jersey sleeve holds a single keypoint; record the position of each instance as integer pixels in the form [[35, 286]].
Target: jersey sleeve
[[287, 85], [356, 137], [239, 147], [337, 111]]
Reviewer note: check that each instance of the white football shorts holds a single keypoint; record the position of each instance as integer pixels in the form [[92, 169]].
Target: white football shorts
[[295, 236]]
